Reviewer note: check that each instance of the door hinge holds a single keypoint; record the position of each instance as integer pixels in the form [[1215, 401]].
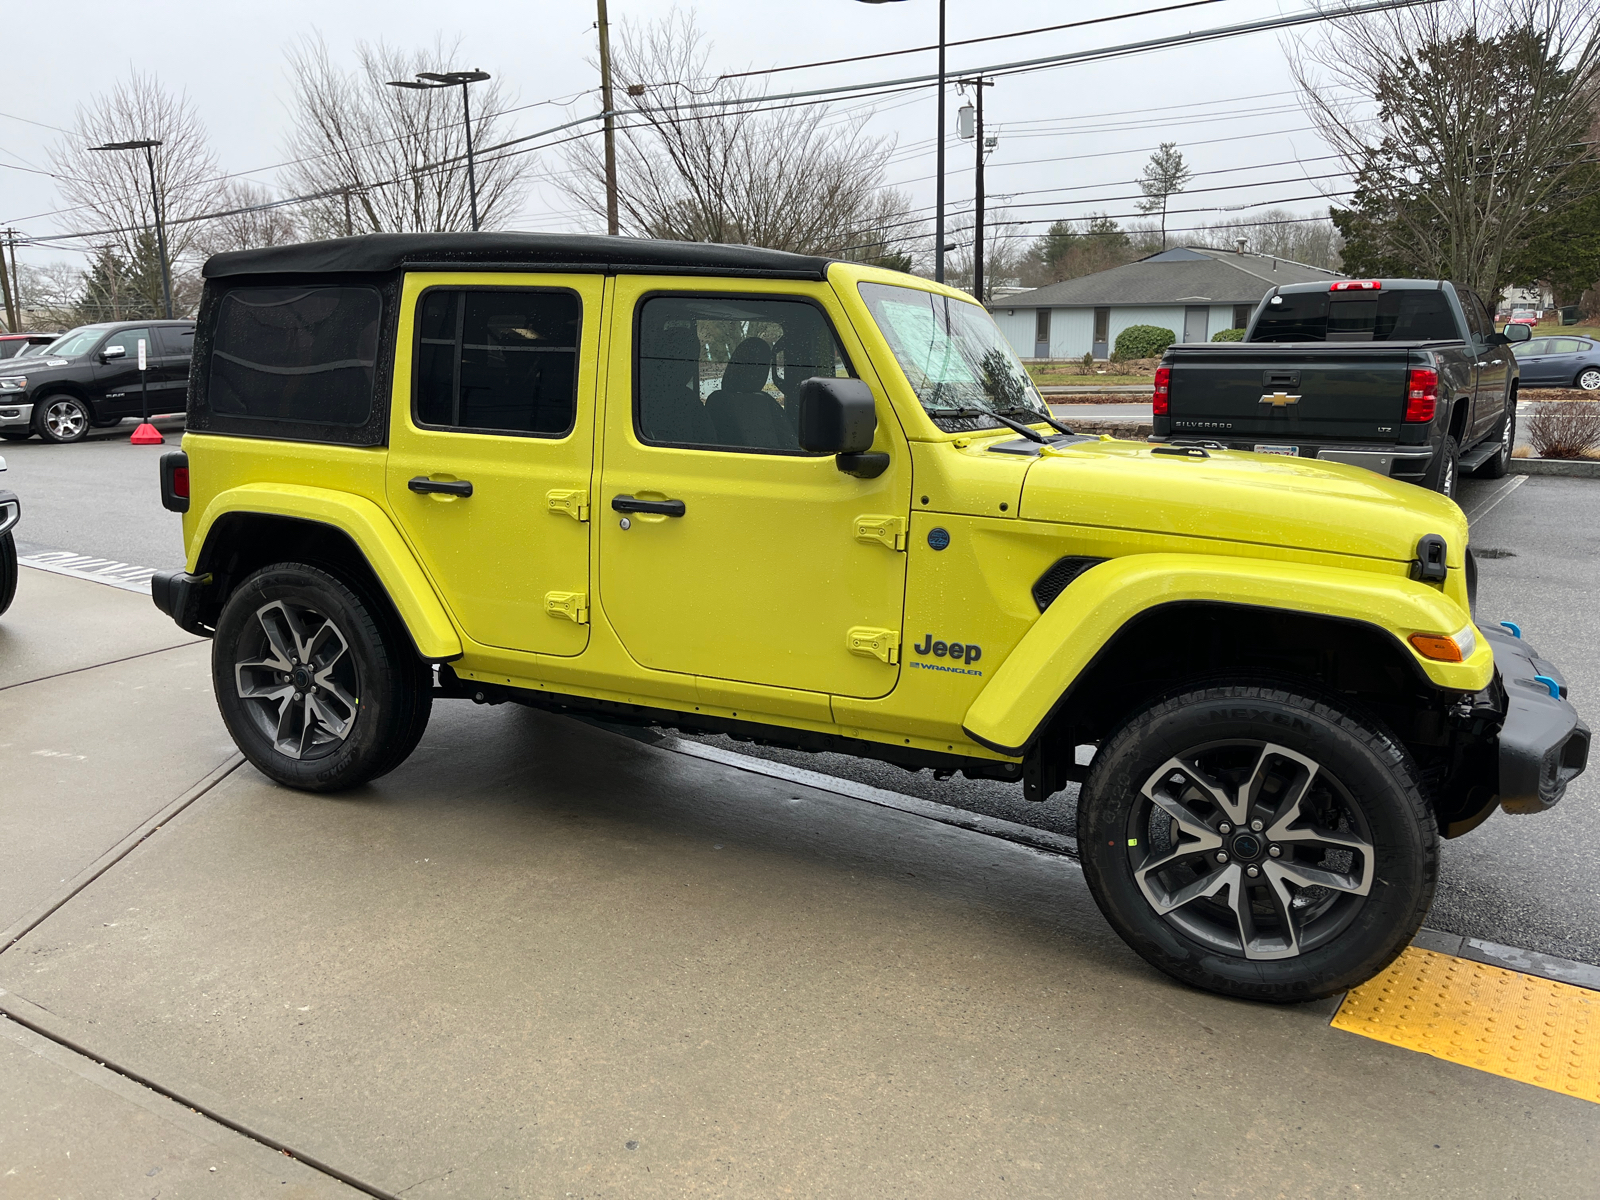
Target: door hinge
[[572, 501], [887, 531], [569, 606], [881, 644]]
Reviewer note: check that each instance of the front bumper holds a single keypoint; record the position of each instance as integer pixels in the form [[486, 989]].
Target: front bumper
[[15, 413], [1543, 745], [10, 512]]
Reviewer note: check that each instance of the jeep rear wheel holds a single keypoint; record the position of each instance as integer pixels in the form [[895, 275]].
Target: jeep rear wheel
[[319, 687], [1258, 843]]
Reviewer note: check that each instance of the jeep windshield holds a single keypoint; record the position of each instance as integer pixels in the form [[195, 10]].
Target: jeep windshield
[[959, 365]]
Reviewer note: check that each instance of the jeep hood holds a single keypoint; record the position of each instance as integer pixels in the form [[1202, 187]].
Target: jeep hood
[[1236, 496]]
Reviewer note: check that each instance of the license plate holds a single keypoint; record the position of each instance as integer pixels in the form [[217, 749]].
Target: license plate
[[1291, 451]]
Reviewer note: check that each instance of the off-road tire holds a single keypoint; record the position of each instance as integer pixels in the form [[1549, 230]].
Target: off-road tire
[[72, 426], [1500, 462], [1373, 770], [8, 570], [393, 688]]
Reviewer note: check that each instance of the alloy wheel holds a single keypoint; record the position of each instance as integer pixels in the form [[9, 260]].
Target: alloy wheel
[[1251, 849], [1589, 380], [66, 420], [298, 679]]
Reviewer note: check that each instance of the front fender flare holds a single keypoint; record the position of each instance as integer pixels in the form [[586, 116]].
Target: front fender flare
[[374, 534], [1016, 702]]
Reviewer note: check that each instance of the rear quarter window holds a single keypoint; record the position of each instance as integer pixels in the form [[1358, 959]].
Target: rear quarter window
[[297, 361]]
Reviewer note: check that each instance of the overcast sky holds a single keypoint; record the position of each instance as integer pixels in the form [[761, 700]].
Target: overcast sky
[[1089, 127]]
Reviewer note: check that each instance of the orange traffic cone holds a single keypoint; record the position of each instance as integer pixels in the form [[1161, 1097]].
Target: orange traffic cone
[[147, 435]]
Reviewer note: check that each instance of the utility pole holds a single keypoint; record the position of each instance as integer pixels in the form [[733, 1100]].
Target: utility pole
[[977, 205], [610, 119], [13, 301], [938, 200]]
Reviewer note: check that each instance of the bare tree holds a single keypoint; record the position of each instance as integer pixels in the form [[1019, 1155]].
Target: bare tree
[[1163, 176], [249, 219], [1463, 124], [49, 295], [111, 189], [801, 179], [385, 159], [1279, 233]]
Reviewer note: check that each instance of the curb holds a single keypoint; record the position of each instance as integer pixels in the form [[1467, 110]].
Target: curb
[[1572, 468], [1133, 429]]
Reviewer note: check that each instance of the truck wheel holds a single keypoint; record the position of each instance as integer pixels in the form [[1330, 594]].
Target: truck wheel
[[1258, 843], [8, 570], [319, 687], [1445, 468], [61, 419], [1498, 465]]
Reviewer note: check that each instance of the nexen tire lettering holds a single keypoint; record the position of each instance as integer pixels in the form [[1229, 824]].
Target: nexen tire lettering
[[960, 651]]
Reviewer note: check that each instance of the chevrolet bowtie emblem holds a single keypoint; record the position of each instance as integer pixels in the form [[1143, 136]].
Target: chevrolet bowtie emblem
[[1279, 399]]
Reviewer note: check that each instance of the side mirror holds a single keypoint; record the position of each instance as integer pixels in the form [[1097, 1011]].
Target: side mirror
[[1517, 332], [838, 416], [111, 352]]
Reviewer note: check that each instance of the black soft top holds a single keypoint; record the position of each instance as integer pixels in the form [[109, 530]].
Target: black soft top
[[375, 253]]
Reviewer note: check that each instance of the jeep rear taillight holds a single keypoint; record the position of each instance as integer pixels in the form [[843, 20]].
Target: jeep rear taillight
[[175, 481], [1422, 394], [1158, 403]]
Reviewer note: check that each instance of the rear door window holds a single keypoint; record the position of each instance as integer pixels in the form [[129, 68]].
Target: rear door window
[[303, 354], [174, 340], [497, 360]]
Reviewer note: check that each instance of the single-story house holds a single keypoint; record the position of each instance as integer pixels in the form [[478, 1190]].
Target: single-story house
[[1192, 290]]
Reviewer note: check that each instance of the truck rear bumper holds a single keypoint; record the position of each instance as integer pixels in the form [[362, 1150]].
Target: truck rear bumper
[[1543, 745], [1404, 464]]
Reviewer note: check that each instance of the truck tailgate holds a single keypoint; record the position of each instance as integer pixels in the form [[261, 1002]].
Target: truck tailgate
[[1290, 393]]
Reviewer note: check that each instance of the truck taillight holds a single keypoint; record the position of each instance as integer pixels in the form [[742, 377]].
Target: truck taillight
[[1158, 404], [1422, 394], [1356, 285]]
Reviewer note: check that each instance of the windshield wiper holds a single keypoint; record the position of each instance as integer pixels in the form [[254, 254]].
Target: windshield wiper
[[1030, 434], [1032, 412]]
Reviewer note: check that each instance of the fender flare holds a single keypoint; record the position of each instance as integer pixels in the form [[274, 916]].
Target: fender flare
[[1014, 705], [374, 535]]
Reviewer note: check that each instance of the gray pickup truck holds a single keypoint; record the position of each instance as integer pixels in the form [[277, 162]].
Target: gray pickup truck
[[1406, 377]]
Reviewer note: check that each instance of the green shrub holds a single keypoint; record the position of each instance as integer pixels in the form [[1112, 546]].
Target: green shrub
[[1142, 341], [1228, 335]]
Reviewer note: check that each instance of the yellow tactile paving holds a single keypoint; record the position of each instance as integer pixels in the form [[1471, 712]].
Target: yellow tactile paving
[[1519, 1026]]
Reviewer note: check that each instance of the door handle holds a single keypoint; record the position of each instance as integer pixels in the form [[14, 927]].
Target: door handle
[[664, 508], [424, 486]]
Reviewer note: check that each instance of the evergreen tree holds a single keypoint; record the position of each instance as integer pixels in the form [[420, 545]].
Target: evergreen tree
[[1164, 175], [111, 291]]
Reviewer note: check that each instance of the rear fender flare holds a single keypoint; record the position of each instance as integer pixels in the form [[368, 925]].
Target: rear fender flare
[[1015, 704], [374, 535]]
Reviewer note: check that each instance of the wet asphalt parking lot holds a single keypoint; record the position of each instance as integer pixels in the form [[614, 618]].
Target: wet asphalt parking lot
[[1527, 882]]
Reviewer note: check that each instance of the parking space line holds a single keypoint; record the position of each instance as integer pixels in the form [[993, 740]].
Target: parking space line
[[1517, 1026], [127, 576], [1503, 489]]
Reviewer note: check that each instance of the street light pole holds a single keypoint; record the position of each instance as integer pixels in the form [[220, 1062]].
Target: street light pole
[[439, 79], [148, 146], [938, 170]]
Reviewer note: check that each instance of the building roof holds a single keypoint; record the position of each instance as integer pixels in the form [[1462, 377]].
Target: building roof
[[383, 252], [1181, 275]]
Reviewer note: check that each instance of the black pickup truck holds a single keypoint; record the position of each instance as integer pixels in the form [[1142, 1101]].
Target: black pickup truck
[[1406, 377]]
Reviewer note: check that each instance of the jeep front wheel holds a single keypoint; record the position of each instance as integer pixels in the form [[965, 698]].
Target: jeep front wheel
[[319, 687], [1258, 843]]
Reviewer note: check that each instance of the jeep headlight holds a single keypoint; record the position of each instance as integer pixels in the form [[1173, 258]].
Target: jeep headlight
[[13, 383]]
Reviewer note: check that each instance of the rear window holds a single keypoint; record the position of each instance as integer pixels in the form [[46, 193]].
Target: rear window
[[301, 354], [1394, 316]]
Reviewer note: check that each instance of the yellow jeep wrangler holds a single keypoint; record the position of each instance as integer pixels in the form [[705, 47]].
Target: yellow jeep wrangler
[[820, 505]]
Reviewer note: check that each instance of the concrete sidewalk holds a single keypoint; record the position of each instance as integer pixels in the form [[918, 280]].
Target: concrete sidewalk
[[541, 959]]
